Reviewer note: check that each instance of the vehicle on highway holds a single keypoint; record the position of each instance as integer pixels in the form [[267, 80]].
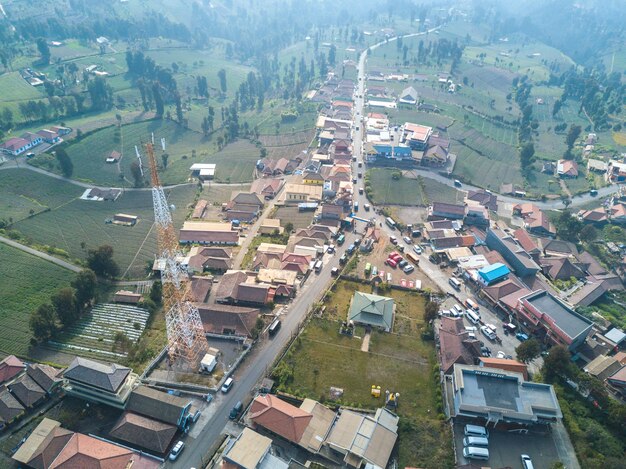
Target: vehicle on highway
[[457, 183], [318, 266], [521, 337], [470, 303], [390, 223], [176, 450], [407, 240], [366, 207], [360, 175], [527, 463], [361, 193], [360, 164], [343, 259], [592, 192], [413, 258], [356, 206], [274, 327], [354, 181], [454, 283], [331, 249], [341, 239], [417, 249], [235, 411], [488, 332], [227, 385], [408, 269]]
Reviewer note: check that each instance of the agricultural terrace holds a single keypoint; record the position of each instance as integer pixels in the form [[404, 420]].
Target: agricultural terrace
[[16, 90], [287, 145], [383, 189], [80, 225], [96, 333], [25, 193], [184, 147], [401, 361], [27, 282]]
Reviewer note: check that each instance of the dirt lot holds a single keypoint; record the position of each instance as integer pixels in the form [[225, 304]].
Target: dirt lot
[[377, 258], [291, 214]]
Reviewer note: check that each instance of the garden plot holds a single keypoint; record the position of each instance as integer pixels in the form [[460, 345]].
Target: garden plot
[[95, 334]]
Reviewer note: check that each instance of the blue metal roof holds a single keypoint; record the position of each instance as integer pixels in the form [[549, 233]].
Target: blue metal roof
[[494, 272]]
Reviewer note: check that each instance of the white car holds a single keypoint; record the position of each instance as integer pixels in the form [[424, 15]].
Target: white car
[[500, 354], [487, 332], [178, 448]]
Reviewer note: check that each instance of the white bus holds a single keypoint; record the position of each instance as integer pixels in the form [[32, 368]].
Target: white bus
[[390, 223]]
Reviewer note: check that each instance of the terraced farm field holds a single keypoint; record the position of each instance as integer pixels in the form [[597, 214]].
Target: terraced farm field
[[27, 282], [81, 221], [94, 335], [24, 190]]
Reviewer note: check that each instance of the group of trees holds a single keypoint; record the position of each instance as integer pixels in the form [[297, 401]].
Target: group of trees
[[101, 261], [526, 123], [65, 163], [64, 308]]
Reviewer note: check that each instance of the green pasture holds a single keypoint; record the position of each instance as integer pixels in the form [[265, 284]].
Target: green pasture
[[407, 190], [27, 282]]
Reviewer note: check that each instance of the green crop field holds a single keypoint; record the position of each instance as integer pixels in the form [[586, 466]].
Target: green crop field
[[81, 221], [184, 147], [27, 281], [407, 190], [24, 190], [15, 88]]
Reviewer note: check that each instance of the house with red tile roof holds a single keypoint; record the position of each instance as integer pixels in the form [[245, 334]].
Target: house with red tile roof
[[228, 320], [10, 367], [279, 417], [567, 169], [455, 344]]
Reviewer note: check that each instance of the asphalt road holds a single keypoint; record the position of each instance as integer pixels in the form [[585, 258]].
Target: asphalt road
[[43, 255], [258, 363]]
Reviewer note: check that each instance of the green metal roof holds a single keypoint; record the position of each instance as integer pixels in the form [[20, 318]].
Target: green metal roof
[[375, 310]]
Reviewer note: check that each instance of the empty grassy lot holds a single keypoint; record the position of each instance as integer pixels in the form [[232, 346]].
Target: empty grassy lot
[[24, 190], [293, 215], [399, 362], [70, 225], [407, 190], [27, 281]]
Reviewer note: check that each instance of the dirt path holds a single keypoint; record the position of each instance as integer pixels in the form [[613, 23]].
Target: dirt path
[[365, 345]]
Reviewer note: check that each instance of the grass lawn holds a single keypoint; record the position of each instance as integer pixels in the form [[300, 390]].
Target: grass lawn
[[407, 190], [27, 281], [80, 221], [24, 190], [293, 215], [399, 362]]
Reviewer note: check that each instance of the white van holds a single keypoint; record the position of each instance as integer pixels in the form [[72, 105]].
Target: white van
[[475, 452], [471, 304], [475, 441], [472, 316], [227, 385], [454, 283], [476, 430]]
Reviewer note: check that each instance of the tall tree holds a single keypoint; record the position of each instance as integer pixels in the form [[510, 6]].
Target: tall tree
[[43, 322], [526, 155], [527, 351], [135, 171], [332, 53], [65, 163], [158, 100], [100, 93], [64, 302], [101, 261], [572, 135], [85, 285], [156, 292], [558, 363], [44, 50], [222, 77]]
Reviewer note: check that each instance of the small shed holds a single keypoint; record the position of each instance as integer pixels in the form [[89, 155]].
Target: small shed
[[208, 363], [125, 219], [125, 296]]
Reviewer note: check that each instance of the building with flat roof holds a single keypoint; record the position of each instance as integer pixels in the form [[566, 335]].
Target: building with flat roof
[[250, 450], [490, 395], [552, 321], [514, 254], [493, 274]]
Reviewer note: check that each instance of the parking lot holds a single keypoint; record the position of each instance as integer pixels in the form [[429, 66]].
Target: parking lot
[[506, 447]]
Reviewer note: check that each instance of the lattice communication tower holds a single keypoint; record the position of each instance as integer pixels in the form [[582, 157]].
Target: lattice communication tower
[[185, 334]]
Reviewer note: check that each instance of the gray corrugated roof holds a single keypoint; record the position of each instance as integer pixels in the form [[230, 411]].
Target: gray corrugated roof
[[107, 377], [567, 320]]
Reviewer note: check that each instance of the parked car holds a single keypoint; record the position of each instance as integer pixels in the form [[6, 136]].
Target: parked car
[[334, 271], [408, 269], [402, 263], [485, 351], [393, 240], [521, 336], [527, 463], [417, 249], [176, 450], [500, 354], [343, 259], [227, 385], [407, 240], [235, 411]]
